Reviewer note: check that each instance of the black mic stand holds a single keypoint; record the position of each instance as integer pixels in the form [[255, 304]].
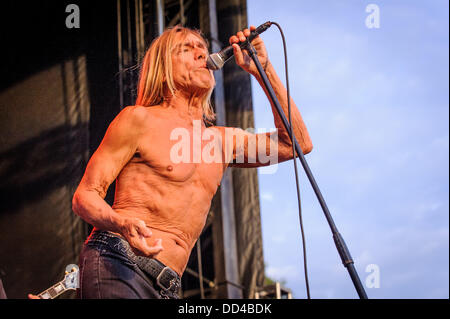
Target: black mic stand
[[338, 239]]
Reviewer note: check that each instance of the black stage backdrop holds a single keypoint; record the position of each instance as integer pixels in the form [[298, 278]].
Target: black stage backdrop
[[59, 91], [53, 79]]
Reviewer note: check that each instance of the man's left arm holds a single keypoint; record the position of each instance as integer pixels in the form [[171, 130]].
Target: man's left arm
[[245, 62]]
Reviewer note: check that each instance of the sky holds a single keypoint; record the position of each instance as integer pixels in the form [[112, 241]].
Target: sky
[[376, 104]]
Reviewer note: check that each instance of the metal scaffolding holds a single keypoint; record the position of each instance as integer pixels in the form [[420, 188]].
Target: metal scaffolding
[[138, 22]]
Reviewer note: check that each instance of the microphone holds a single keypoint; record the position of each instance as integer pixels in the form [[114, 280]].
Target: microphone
[[216, 61]]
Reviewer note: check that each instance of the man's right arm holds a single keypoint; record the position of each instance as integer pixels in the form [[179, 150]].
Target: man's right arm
[[116, 149]]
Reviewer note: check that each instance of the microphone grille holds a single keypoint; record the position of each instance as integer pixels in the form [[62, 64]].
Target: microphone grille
[[214, 62]]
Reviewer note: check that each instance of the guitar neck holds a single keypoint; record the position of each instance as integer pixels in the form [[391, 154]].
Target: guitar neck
[[54, 291]]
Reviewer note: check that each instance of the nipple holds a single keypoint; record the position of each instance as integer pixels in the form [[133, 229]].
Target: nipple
[[169, 168]]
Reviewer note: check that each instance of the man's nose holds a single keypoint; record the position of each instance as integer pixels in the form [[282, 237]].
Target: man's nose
[[201, 55]]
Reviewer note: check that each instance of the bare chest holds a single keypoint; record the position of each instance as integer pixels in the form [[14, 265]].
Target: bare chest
[[191, 155]]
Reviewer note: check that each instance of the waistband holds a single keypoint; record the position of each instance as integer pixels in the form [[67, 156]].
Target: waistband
[[165, 277]]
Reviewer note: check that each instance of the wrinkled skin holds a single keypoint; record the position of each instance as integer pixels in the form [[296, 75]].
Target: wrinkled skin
[[160, 206]]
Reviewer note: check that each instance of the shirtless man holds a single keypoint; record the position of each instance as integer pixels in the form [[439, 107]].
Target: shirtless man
[[140, 246]]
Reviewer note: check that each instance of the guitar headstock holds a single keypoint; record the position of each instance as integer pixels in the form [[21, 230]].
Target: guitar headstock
[[71, 277], [70, 281]]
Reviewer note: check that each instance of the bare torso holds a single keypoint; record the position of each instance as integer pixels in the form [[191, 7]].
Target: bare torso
[[173, 199], [153, 191]]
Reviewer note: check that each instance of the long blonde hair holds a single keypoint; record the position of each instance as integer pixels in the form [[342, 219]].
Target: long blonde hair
[[156, 72]]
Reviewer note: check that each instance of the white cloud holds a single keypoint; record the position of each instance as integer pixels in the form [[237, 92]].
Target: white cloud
[[280, 273], [268, 196]]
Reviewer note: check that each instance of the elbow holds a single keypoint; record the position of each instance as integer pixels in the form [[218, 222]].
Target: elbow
[[308, 148], [76, 203], [286, 152]]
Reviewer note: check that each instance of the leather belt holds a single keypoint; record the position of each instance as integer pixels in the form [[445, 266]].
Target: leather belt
[[166, 278]]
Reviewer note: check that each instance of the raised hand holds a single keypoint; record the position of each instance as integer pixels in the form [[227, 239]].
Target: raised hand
[[241, 56]]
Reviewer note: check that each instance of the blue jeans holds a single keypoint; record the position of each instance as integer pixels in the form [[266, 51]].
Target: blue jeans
[[110, 270]]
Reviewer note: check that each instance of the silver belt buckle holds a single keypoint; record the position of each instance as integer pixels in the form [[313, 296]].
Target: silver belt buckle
[[159, 277]]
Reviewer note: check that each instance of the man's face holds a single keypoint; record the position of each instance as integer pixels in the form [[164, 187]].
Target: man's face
[[189, 64]]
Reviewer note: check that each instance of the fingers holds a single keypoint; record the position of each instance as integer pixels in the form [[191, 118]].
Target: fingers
[[156, 248], [241, 36], [135, 227], [142, 248], [234, 39], [142, 229], [238, 55], [137, 233], [247, 31]]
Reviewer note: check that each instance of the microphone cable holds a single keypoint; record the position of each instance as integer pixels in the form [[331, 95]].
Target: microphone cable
[[295, 161]]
